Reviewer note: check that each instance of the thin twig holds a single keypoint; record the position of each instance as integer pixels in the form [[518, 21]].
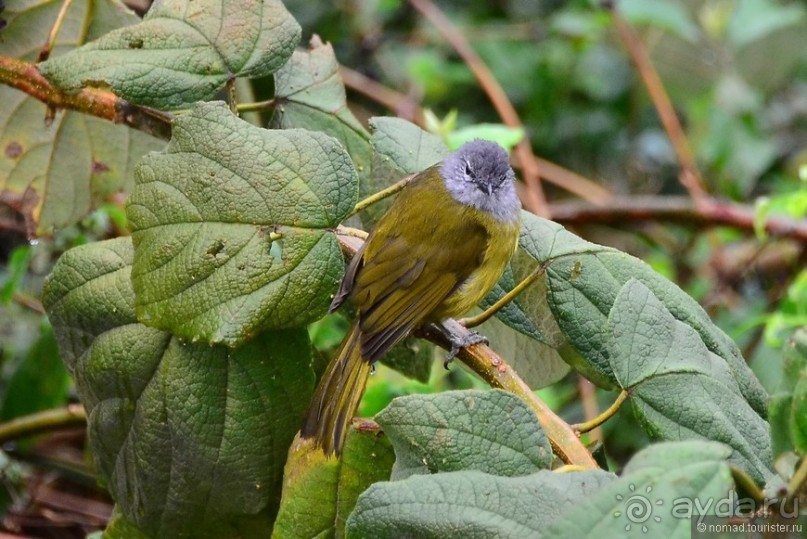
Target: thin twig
[[400, 103], [486, 315], [743, 480], [44, 53], [588, 398], [28, 301], [690, 176], [58, 418], [709, 212], [25, 76], [381, 195], [603, 417], [535, 200]]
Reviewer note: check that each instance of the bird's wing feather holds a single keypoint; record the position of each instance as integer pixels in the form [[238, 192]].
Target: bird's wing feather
[[405, 279]]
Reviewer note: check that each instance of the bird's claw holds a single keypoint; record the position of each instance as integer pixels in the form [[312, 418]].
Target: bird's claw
[[459, 344]]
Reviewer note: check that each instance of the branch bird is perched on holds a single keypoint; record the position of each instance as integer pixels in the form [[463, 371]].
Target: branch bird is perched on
[[437, 251]]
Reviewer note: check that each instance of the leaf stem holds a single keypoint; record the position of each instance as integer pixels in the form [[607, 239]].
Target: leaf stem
[[485, 315], [742, 479], [381, 195], [258, 106], [603, 417], [44, 53], [69, 416]]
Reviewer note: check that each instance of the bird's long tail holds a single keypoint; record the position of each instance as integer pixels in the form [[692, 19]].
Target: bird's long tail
[[337, 396]]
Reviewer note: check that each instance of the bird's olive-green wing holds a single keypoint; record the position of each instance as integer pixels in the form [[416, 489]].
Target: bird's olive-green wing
[[402, 280]]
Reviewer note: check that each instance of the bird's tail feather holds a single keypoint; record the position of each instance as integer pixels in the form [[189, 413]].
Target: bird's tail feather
[[337, 396]]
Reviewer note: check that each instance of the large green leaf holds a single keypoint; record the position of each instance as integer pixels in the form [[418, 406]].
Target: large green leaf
[[55, 174], [183, 51], [584, 280], [470, 504], [319, 492], [309, 93], [679, 389], [534, 348], [661, 488], [231, 227], [190, 438], [490, 431]]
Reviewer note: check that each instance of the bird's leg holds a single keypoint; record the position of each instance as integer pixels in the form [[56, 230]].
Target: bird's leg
[[458, 337]]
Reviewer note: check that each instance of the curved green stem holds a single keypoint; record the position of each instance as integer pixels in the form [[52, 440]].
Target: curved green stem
[[603, 417], [381, 195], [485, 315], [69, 416]]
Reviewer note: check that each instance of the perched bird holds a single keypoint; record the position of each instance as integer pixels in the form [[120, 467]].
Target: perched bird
[[437, 251]]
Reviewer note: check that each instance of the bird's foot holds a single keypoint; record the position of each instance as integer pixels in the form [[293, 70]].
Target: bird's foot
[[458, 337], [464, 342]]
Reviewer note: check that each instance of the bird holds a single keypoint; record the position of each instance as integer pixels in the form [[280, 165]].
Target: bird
[[434, 254]]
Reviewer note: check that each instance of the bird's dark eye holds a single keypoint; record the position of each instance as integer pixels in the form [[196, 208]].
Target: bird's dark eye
[[468, 169]]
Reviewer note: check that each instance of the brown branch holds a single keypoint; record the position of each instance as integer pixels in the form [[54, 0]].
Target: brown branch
[[403, 106], [397, 102], [690, 176], [494, 370], [709, 212], [535, 199], [26, 77]]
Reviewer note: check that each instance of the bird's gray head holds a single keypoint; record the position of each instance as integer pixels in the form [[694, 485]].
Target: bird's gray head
[[478, 174]]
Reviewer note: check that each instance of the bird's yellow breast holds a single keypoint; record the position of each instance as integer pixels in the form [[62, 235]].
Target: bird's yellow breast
[[502, 243]]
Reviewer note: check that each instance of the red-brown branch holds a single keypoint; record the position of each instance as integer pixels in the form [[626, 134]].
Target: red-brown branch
[[26, 77]]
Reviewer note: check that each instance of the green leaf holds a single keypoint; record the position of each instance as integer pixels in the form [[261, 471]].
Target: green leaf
[[754, 19], [679, 389], [309, 93], [319, 493], [182, 52], [798, 415], [231, 227], [55, 175], [660, 490], [584, 280], [190, 438], [401, 148], [470, 504], [505, 136], [664, 14], [534, 348], [490, 431], [38, 383], [121, 528]]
